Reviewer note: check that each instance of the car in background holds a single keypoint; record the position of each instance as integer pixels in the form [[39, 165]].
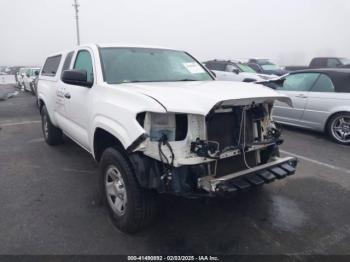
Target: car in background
[[321, 101], [29, 79], [265, 66], [20, 77], [323, 62], [2, 70], [234, 70]]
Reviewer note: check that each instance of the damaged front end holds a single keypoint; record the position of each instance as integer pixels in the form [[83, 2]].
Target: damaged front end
[[232, 148]]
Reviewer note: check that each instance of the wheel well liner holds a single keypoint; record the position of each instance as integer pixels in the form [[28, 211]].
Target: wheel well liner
[[102, 140], [41, 104]]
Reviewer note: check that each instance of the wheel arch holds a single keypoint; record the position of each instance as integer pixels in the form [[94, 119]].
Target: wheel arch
[[330, 117], [103, 139], [41, 103]]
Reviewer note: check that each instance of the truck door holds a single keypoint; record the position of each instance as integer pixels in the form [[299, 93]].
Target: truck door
[[77, 100], [60, 108], [297, 87]]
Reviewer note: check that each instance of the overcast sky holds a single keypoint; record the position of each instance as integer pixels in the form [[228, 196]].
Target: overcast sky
[[287, 31]]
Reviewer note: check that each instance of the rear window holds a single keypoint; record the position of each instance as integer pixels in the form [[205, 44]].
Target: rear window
[[51, 65], [318, 62]]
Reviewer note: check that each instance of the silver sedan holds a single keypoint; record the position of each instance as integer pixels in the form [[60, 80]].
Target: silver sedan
[[321, 101]]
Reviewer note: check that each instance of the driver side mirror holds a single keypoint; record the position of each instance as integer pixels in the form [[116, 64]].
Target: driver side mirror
[[76, 77]]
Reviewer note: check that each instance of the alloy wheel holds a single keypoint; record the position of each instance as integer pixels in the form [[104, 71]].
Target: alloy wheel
[[341, 128], [115, 190]]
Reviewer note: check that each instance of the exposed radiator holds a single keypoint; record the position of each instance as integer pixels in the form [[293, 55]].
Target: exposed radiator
[[224, 128]]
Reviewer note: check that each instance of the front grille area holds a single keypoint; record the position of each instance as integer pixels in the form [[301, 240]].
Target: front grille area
[[233, 164], [224, 128]]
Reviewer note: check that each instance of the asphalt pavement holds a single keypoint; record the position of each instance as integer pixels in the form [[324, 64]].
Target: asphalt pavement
[[49, 203]]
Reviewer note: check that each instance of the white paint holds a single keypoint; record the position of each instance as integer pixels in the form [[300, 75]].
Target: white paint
[[317, 162], [199, 97], [193, 68], [20, 123], [113, 107]]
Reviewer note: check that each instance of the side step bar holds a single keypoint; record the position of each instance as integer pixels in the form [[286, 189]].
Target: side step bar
[[266, 173]]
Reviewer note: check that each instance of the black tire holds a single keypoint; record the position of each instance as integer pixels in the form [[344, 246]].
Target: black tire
[[37, 102], [52, 135], [32, 89], [141, 205], [332, 122]]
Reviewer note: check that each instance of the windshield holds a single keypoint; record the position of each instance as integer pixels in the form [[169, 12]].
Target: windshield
[[345, 61], [270, 66], [267, 65], [246, 68], [35, 70], [126, 65]]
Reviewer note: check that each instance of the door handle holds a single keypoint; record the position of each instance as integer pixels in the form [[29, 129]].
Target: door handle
[[67, 95], [301, 96]]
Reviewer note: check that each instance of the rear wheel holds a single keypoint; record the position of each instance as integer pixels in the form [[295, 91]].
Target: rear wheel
[[339, 128], [131, 207], [52, 134]]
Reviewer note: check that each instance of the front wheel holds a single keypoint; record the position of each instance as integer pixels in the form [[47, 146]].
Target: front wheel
[[339, 128], [131, 207]]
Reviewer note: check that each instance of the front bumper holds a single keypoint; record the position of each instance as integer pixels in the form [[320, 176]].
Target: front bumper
[[266, 173]]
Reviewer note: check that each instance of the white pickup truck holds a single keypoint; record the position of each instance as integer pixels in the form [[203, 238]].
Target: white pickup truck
[[156, 121]]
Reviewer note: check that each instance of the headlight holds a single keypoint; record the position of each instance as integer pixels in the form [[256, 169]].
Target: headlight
[[172, 125], [162, 125]]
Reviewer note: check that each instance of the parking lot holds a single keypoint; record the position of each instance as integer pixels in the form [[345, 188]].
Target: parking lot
[[50, 205]]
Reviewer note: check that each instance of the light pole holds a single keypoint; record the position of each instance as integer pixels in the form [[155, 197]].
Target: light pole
[[76, 7]]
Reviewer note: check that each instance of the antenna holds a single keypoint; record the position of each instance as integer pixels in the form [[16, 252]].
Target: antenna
[[76, 7]]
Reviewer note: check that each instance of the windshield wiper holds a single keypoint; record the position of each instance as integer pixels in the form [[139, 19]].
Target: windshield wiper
[[145, 81], [186, 79]]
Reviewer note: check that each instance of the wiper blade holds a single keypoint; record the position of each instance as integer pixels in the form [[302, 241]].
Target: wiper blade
[[145, 81], [137, 81], [186, 79]]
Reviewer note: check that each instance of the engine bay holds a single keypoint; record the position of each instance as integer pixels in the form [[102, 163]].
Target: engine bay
[[182, 148]]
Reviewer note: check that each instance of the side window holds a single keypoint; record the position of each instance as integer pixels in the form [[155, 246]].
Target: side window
[[220, 66], [255, 67], [318, 63], [51, 66], [84, 62], [231, 68], [67, 61], [323, 84], [299, 82], [209, 65], [333, 62], [216, 66]]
